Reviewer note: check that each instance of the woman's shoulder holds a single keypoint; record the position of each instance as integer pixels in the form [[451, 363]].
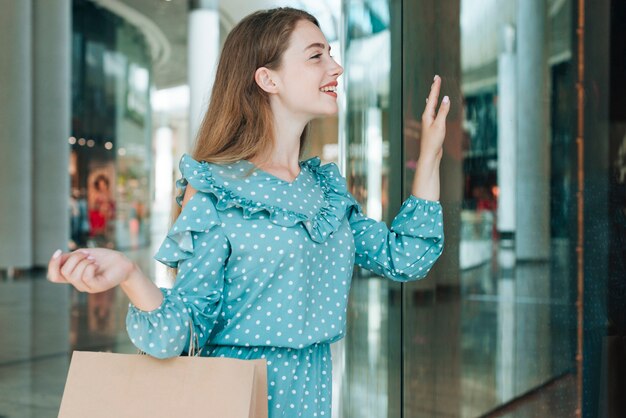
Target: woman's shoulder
[[242, 174], [218, 179], [257, 195]]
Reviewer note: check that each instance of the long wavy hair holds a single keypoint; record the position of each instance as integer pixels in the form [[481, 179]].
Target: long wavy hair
[[238, 123]]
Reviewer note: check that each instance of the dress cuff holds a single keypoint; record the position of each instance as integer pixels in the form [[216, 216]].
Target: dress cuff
[[419, 200], [419, 218], [133, 310]]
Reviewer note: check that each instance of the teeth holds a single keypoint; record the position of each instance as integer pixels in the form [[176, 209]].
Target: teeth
[[329, 88]]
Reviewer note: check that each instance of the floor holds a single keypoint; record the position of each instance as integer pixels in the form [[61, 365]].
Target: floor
[[479, 350]]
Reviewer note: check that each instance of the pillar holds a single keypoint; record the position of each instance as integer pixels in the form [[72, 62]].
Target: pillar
[[16, 135], [507, 132], [533, 148], [204, 37], [51, 109], [35, 118]]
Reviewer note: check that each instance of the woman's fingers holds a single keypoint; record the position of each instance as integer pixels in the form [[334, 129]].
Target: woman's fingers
[[76, 277], [73, 269], [78, 268], [68, 266], [433, 97], [54, 267], [89, 277], [443, 111]]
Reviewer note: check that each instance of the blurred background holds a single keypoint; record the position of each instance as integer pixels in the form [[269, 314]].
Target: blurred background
[[524, 315]]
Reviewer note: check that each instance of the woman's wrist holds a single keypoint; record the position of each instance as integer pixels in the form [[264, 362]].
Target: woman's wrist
[[427, 168], [430, 158], [133, 276], [426, 181], [141, 291]]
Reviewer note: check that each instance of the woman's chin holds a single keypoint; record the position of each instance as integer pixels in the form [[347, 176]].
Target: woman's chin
[[330, 111]]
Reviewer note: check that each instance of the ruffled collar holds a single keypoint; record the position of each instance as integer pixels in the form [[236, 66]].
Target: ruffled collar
[[256, 171], [227, 183]]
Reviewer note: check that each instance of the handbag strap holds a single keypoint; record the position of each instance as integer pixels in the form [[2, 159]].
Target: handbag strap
[[194, 342]]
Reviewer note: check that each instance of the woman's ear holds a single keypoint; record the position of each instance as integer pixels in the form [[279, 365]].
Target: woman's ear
[[263, 77]]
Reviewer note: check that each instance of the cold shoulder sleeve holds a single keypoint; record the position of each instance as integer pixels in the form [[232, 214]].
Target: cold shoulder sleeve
[[405, 251], [197, 246]]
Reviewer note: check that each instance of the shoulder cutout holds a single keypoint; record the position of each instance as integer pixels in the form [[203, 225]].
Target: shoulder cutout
[[189, 192]]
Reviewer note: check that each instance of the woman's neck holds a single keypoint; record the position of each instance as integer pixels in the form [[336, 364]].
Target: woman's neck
[[288, 130]]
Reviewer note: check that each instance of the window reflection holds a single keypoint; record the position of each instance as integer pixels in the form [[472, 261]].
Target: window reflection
[[370, 378], [496, 317], [111, 128]]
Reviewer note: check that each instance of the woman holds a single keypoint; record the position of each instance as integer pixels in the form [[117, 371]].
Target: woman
[[101, 208], [265, 244]]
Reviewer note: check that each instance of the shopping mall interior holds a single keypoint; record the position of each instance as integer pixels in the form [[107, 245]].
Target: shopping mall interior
[[524, 315]]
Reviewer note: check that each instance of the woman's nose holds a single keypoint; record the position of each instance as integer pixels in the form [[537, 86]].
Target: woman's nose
[[337, 70]]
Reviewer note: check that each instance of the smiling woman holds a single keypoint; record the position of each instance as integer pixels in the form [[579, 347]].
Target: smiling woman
[[265, 244], [289, 62]]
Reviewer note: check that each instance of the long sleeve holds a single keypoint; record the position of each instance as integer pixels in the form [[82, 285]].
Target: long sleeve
[[405, 251], [197, 246]]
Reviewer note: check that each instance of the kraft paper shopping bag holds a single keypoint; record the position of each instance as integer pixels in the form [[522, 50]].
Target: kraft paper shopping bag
[[110, 385]]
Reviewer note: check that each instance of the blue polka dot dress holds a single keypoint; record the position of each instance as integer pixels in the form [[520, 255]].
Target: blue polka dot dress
[[264, 270]]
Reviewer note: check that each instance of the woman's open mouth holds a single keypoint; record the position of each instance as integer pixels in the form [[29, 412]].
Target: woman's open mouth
[[330, 90]]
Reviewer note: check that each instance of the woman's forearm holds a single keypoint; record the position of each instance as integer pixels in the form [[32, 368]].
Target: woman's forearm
[[426, 181], [141, 291]]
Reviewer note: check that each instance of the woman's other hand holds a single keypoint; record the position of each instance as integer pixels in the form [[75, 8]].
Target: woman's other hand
[[91, 270], [433, 123]]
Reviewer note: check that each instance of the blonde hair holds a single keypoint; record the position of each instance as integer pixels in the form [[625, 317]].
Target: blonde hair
[[238, 123]]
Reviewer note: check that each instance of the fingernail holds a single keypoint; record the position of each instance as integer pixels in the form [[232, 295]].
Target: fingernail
[[91, 257], [446, 99], [427, 100], [56, 254], [435, 79]]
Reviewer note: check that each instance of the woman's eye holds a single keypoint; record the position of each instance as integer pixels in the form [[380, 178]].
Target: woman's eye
[[316, 56]]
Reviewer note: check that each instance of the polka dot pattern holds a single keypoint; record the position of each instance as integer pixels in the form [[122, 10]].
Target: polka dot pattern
[[407, 250], [264, 269], [299, 381]]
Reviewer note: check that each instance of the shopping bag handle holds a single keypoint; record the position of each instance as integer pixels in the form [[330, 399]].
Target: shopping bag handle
[[194, 342]]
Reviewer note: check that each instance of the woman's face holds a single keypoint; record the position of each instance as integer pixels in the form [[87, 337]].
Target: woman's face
[[307, 78], [102, 185]]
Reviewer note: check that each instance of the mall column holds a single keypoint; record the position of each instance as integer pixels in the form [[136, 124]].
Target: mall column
[[203, 53], [507, 131], [51, 109], [533, 146], [35, 117], [16, 135]]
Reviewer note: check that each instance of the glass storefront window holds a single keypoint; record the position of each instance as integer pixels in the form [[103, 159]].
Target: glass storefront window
[[512, 318], [370, 378], [111, 131]]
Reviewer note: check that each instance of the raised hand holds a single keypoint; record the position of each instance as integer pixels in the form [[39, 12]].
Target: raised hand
[[433, 123], [91, 270]]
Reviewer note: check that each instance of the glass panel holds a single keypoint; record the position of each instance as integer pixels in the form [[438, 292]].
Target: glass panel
[[368, 376], [615, 343], [110, 164], [496, 317], [111, 131]]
